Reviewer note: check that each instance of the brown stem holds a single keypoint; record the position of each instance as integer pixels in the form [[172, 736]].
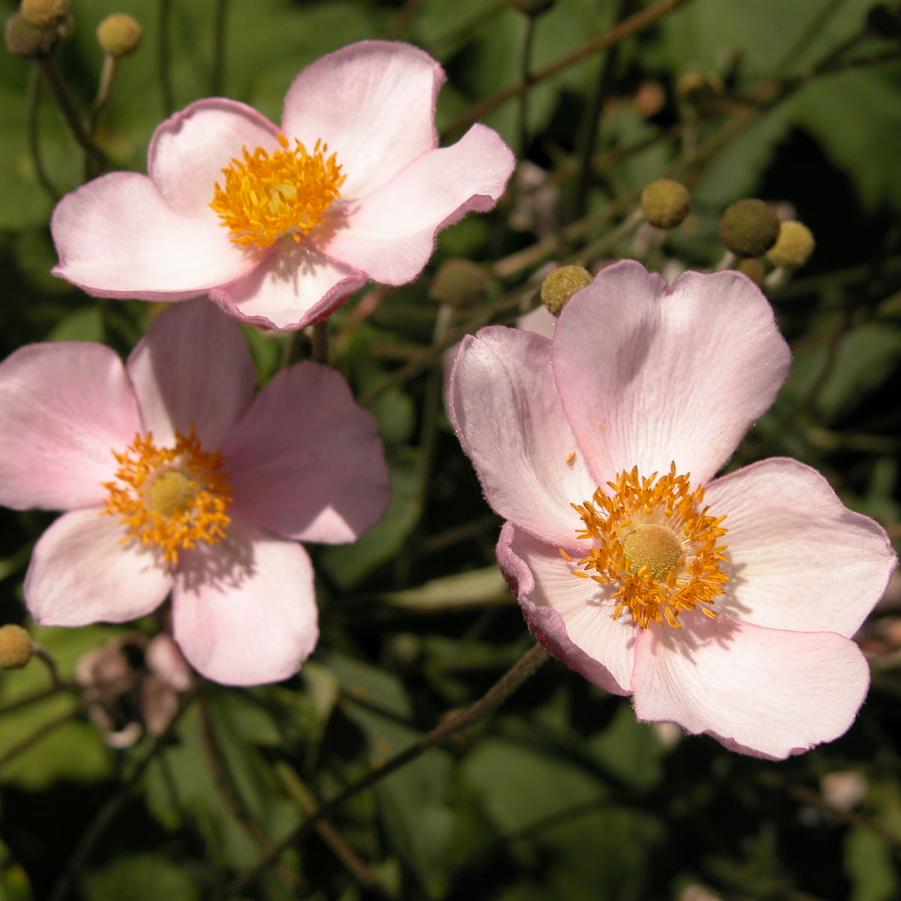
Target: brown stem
[[320, 342], [40, 734]]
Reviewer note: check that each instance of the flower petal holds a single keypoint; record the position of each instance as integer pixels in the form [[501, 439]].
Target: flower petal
[[82, 572], [63, 409], [373, 103], [568, 615], [192, 368], [295, 287], [508, 417], [306, 461], [765, 692], [117, 237], [390, 234], [649, 375], [245, 610], [190, 149], [801, 559]]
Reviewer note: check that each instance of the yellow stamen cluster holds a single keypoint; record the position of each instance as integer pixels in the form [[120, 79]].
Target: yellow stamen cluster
[[655, 544], [270, 195], [170, 498]]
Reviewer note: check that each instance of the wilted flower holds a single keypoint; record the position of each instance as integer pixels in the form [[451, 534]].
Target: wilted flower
[[726, 606]]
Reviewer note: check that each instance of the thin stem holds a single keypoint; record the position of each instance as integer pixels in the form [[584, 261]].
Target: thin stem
[[451, 724], [40, 734], [525, 67], [813, 28], [217, 77], [163, 58], [608, 242], [320, 342], [27, 700], [34, 138], [104, 89], [47, 659]]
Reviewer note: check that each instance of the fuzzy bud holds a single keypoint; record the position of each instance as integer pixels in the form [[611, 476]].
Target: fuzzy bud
[[749, 228], [27, 40], [119, 34], [665, 203], [15, 647], [459, 283], [793, 247], [44, 12], [754, 270], [561, 284]]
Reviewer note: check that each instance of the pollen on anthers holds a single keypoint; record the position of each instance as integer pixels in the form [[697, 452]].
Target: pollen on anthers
[[170, 498], [655, 545], [268, 196]]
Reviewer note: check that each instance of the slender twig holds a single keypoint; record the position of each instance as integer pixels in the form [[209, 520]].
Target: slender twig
[[163, 58], [811, 30], [217, 76], [34, 138], [36, 696], [40, 734], [48, 660], [450, 725], [104, 89]]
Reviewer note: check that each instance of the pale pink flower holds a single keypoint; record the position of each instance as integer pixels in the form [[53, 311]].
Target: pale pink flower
[[209, 494], [726, 606], [297, 226]]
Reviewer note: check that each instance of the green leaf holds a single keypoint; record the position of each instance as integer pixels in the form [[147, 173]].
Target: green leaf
[[140, 877]]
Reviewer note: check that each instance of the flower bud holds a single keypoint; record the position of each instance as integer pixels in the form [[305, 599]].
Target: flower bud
[[561, 284], [459, 283], [44, 12], [15, 647], [749, 228], [27, 40], [119, 34], [793, 247], [754, 270], [665, 203], [700, 89]]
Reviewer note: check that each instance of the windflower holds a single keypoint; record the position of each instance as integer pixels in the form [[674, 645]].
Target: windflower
[[279, 225], [175, 478], [726, 605]]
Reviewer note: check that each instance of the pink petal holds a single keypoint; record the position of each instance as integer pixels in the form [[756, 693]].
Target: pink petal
[[508, 417], [192, 368], [568, 615], [306, 461], [762, 691], [190, 149], [165, 660], [245, 610], [390, 234], [82, 572], [802, 560], [63, 409], [295, 287], [540, 320], [117, 237], [373, 103], [650, 375]]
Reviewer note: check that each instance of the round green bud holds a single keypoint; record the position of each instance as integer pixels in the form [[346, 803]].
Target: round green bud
[[15, 647], [754, 269], [749, 228], [793, 247], [459, 283], [44, 12], [561, 284], [884, 20], [699, 88], [27, 40], [119, 34], [665, 203]]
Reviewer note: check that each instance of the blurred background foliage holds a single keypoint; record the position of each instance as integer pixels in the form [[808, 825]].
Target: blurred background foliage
[[562, 795]]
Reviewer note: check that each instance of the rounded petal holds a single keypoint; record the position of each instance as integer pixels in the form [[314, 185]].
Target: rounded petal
[[540, 320], [192, 369], [508, 417], [190, 149], [117, 236], [373, 103], [63, 409], [244, 611], [390, 234], [761, 691], [306, 461], [295, 287], [800, 559], [568, 615], [650, 375], [83, 572]]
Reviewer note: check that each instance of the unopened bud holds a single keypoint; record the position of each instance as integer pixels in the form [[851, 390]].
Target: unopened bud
[[754, 269], [665, 203], [15, 647], [460, 283], [793, 247], [749, 228], [44, 12], [700, 88], [27, 40], [119, 34], [561, 284], [884, 20]]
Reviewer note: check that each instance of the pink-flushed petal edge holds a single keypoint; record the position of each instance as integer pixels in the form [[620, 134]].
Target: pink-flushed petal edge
[[244, 611], [391, 234], [800, 559], [765, 692], [64, 408], [608, 639], [192, 370], [82, 572], [650, 375]]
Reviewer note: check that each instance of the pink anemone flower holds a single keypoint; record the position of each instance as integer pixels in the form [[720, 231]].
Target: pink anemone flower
[[175, 478], [725, 605], [279, 225]]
